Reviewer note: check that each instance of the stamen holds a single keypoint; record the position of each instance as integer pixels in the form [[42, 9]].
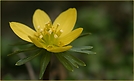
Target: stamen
[[49, 34], [61, 31], [58, 24], [55, 36], [48, 24], [36, 34], [41, 30], [57, 27], [50, 31], [49, 46], [60, 44], [40, 36]]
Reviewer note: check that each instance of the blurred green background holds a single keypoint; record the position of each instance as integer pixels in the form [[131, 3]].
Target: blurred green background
[[110, 23]]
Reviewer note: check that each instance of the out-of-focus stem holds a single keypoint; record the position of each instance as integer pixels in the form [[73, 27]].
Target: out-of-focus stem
[[29, 67], [46, 73]]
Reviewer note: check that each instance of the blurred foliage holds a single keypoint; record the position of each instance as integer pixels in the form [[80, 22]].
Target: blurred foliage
[[111, 28]]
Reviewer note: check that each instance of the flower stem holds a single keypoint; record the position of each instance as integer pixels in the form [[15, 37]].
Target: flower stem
[[29, 67]]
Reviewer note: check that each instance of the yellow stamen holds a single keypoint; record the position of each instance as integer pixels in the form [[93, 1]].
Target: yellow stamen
[[58, 24], [50, 31], [55, 36], [36, 34], [41, 36], [61, 31], [41, 30], [49, 46]]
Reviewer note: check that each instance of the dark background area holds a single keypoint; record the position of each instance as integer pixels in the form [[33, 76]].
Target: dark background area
[[111, 25]]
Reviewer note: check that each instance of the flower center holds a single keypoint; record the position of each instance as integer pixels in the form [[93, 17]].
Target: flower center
[[49, 35]]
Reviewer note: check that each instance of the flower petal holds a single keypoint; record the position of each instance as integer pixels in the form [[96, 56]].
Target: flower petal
[[66, 20], [36, 41], [59, 49], [22, 30], [40, 18], [71, 36]]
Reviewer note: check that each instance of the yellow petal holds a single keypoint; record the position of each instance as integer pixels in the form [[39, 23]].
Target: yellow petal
[[36, 41], [66, 20], [59, 49], [40, 18], [71, 36], [22, 30]]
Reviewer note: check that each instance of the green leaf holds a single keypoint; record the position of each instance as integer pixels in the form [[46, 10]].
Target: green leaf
[[23, 50], [85, 47], [24, 60], [85, 52], [83, 35], [73, 59], [44, 63], [82, 49], [64, 61]]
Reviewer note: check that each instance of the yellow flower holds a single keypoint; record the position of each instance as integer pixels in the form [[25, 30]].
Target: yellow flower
[[52, 37]]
